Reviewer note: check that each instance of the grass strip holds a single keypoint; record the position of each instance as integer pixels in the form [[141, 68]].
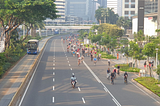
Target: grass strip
[[150, 83], [125, 67]]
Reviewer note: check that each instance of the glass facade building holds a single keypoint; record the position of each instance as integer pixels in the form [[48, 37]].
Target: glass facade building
[[151, 6], [84, 9]]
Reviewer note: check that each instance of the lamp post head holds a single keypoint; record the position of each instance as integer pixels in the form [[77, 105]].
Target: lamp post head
[[157, 49]]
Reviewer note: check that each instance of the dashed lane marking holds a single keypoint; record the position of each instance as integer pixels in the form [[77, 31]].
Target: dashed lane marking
[[83, 100]]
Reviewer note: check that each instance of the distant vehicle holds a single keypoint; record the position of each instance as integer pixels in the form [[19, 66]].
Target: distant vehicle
[[32, 46], [56, 31]]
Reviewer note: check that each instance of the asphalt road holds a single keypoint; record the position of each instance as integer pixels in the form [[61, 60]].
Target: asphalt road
[[51, 86]]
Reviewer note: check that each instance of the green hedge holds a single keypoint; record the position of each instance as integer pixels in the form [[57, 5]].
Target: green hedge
[[150, 83], [106, 56], [125, 67]]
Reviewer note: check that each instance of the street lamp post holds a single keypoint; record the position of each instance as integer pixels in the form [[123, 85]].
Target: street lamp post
[[156, 57]]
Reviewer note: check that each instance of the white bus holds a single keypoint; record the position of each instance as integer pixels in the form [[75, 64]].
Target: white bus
[[32, 46]]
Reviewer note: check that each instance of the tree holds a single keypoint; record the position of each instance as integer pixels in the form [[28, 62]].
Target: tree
[[134, 51], [139, 37], [149, 51], [14, 12], [126, 24], [106, 15]]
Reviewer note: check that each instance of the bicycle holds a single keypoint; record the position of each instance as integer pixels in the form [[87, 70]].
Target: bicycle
[[125, 79]]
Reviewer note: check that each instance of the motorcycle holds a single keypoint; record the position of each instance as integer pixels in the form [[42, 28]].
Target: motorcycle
[[73, 84]]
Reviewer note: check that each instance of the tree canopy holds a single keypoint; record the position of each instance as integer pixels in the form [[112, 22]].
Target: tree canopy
[[14, 12], [106, 15]]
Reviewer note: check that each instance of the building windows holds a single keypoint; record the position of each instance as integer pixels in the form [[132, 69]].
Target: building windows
[[126, 5], [126, 12], [126, 0], [132, 12], [132, 0], [132, 5], [126, 18]]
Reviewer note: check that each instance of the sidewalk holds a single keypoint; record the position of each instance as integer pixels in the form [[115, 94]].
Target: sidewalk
[[11, 82], [123, 60]]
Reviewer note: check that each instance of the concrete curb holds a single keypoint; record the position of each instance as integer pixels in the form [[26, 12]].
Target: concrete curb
[[18, 95], [146, 90]]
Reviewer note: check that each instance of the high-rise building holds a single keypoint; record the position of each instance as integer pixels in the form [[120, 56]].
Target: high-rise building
[[129, 8], [119, 7], [151, 6], [60, 5], [103, 3], [112, 4], [84, 9]]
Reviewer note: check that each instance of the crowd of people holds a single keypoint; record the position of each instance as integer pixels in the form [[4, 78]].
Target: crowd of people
[[80, 51]]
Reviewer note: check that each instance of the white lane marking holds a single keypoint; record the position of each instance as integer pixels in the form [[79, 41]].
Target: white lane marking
[[68, 61], [145, 92], [53, 68], [116, 102], [105, 89], [79, 89], [32, 76], [53, 99], [53, 73], [69, 65], [71, 68], [54, 61], [53, 64], [83, 100], [53, 88], [67, 58], [53, 79], [99, 81], [92, 72]]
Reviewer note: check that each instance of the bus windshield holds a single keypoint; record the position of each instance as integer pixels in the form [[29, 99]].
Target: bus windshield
[[32, 45]]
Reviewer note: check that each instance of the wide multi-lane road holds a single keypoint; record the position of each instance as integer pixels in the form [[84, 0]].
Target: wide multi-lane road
[[50, 85]]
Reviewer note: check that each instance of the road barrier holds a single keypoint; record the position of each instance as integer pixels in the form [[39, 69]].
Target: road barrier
[[18, 95]]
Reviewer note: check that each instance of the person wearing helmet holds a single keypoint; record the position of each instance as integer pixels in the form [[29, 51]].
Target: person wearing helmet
[[73, 78], [125, 76]]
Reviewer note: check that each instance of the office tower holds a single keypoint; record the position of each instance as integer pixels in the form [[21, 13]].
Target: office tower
[[119, 7], [84, 9], [129, 8], [103, 3], [60, 5], [112, 4]]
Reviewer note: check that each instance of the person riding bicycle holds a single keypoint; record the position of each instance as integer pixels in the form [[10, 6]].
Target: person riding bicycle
[[95, 60], [108, 73], [125, 75], [112, 77], [114, 70], [73, 78], [118, 67], [79, 60]]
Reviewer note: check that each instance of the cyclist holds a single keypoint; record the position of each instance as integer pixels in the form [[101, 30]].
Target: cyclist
[[108, 62], [112, 77], [79, 61], [95, 60], [108, 73], [82, 58], [125, 76], [114, 70], [118, 67]]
